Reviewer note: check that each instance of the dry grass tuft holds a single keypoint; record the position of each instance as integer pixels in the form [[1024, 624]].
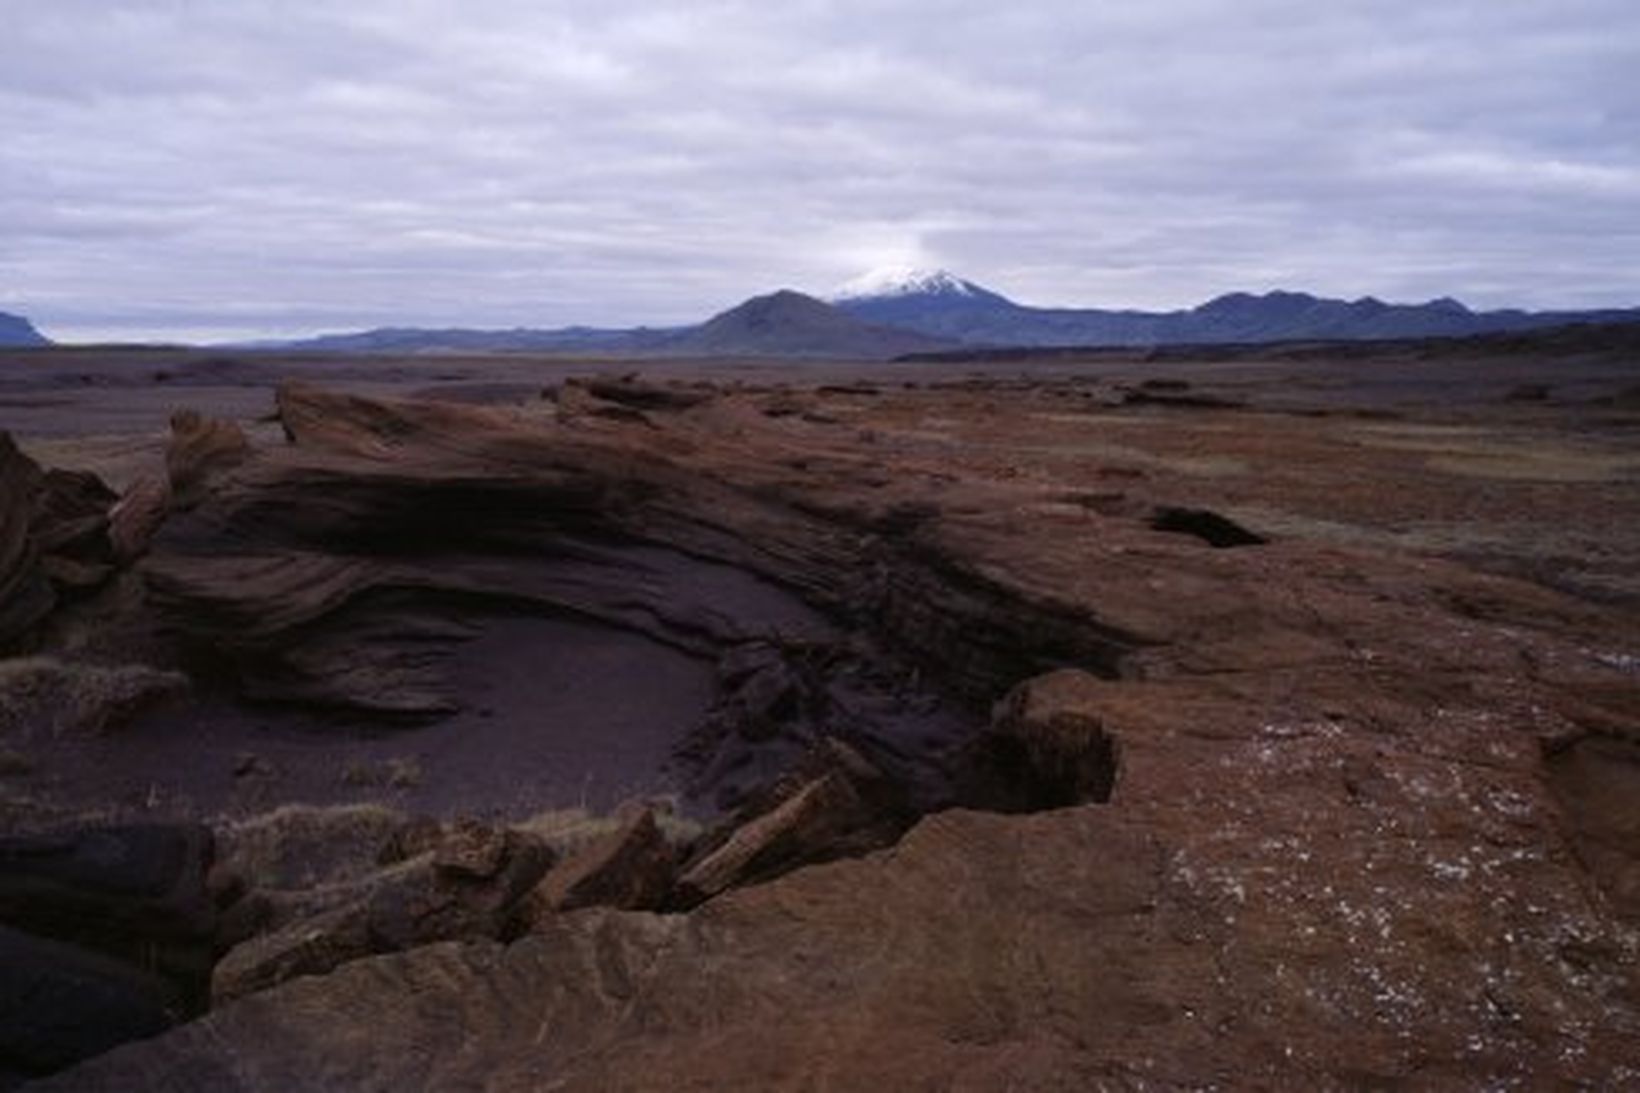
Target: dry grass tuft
[[304, 846], [567, 830], [49, 696]]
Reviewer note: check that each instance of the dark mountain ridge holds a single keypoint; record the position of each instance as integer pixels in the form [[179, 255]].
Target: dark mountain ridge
[[415, 339], [781, 324], [930, 311], [979, 316], [18, 332], [788, 323]]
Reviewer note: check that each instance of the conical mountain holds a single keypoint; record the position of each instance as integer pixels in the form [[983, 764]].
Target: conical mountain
[[790, 324]]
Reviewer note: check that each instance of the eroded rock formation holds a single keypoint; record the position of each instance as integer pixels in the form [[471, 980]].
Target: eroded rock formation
[[1287, 815], [53, 541]]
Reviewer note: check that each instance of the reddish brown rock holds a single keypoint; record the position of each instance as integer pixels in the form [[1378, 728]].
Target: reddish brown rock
[[1040, 751], [309, 946], [26, 596], [200, 448], [1056, 951], [53, 541], [807, 825], [630, 868], [467, 887], [642, 395], [473, 849], [138, 514], [1336, 850], [1594, 777]]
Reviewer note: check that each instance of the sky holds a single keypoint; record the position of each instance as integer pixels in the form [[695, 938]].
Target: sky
[[208, 170]]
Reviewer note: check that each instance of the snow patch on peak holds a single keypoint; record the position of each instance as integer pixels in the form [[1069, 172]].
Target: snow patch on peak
[[904, 281]]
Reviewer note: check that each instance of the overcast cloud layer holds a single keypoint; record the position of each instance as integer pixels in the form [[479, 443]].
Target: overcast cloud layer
[[227, 168]]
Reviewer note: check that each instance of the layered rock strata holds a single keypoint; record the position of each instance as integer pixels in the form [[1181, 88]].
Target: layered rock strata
[[1284, 815]]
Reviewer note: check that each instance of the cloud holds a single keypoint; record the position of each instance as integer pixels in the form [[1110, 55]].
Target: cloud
[[178, 168]]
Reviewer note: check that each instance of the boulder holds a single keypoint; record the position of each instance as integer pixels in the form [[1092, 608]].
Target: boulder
[[70, 528], [642, 395], [577, 401], [138, 514], [807, 826], [474, 850], [54, 540], [308, 946], [106, 934], [466, 887], [447, 899], [629, 868], [1046, 747], [200, 449], [60, 1004], [300, 861], [1215, 530], [26, 594], [135, 891]]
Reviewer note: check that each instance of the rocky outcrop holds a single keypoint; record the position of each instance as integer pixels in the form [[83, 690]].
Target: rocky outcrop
[[630, 868], [640, 395], [1293, 816], [134, 519], [336, 572], [107, 935], [1594, 774], [64, 534], [26, 594], [60, 1004], [1071, 948], [135, 892], [1211, 528], [466, 887], [806, 826], [1041, 751], [200, 448], [53, 540]]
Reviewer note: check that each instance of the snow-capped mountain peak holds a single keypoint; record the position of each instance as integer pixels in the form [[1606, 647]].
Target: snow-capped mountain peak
[[892, 281]]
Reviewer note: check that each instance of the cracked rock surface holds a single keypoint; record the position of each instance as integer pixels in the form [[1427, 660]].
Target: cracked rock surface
[[1309, 812]]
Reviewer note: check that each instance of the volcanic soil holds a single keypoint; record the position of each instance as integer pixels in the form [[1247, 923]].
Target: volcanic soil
[[1228, 719]]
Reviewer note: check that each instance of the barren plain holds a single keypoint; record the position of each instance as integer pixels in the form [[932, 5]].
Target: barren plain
[[1110, 720]]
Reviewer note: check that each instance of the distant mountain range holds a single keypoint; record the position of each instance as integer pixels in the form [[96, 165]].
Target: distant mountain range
[[895, 312], [780, 324], [942, 305], [16, 331], [412, 339]]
